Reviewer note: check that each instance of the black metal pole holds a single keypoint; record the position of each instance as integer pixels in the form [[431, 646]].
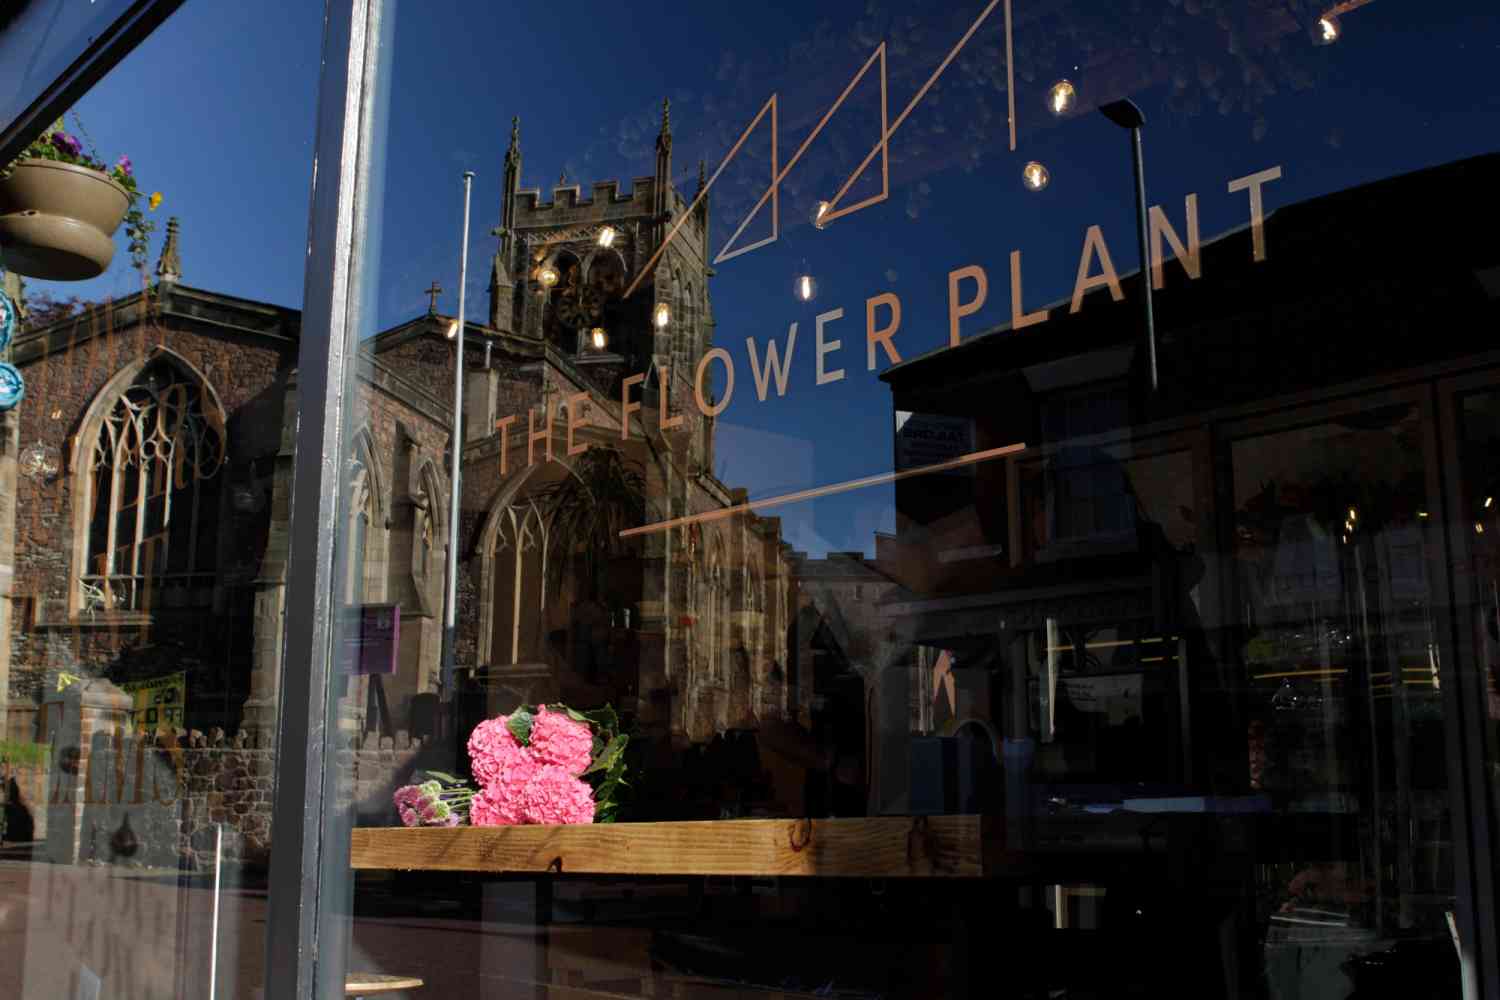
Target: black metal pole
[[1141, 229]]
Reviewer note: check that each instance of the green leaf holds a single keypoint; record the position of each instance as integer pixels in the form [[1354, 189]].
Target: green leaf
[[604, 718], [571, 713], [610, 755], [519, 725]]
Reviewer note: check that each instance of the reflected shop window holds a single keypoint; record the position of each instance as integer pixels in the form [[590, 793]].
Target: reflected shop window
[[951, 502], [151, 263]]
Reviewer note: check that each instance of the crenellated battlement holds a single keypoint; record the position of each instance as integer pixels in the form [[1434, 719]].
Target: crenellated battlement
[[604, 197]]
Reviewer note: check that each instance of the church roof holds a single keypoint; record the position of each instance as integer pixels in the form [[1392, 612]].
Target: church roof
[[243, 316]]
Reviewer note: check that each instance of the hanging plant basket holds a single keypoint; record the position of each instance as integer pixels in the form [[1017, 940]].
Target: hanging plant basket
[[58, 220]]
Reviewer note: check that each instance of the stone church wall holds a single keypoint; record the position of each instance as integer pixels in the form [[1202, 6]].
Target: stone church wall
[[428, 363], [66, 369]]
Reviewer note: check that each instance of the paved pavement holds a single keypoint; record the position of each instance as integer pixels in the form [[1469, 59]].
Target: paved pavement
[[145, 936]]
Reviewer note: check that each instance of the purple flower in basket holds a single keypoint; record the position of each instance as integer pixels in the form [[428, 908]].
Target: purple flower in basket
[[65, 143], [124, 166]]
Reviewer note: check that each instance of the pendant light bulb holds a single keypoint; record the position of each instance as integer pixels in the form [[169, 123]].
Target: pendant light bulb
[[1035, 176], [1062, 97]]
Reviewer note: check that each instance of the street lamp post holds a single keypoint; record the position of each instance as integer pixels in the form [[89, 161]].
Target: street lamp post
[[450, 603], [1126, 115]]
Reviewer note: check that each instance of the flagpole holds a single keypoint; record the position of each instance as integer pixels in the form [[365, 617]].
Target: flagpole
[[450, 604]]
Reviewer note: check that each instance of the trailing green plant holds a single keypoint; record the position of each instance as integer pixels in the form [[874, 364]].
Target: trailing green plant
[[61, 146]]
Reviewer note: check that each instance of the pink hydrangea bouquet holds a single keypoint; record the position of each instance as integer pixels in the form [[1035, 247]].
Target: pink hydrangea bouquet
[[548, 765]]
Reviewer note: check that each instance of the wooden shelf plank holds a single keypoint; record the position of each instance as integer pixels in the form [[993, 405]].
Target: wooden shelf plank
[[876, 847], [365, 984]]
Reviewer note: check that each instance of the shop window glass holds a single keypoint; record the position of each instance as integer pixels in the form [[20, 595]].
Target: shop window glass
[[941, 585]]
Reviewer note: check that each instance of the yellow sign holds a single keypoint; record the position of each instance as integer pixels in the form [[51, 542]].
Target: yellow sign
[[158, 702]]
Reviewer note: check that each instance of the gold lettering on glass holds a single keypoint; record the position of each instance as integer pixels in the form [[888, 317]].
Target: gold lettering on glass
[[1161, 228], [776, 364], [1253, 183], [533, 435], [882, 335], [827, 347], [1093, 245], [577, 417], [958, 310], [723, 403], [1018, 319], [626, 406], [503, 426]]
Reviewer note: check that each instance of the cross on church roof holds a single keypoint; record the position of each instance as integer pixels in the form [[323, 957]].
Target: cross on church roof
[[434, 291]]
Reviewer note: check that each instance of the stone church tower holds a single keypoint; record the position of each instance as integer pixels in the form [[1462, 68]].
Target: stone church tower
[[608, 292], [592, 277]]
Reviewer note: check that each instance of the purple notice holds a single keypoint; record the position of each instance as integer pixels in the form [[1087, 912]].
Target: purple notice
[[371, 639]]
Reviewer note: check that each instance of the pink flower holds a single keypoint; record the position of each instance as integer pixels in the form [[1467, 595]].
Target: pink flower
[[407, 796], [554, 796], [559, 740], [409, 817], [546, 795], [493, 751], [498, 805]]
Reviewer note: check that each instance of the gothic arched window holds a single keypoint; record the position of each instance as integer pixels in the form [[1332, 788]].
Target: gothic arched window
[[426, 564], [154, 503], [686, 339], [521, 553], [718, 613], [365, 568], [361, 516]]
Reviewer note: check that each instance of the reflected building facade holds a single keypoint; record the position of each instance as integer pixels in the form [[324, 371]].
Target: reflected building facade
[[153, 491], [1233, 589]]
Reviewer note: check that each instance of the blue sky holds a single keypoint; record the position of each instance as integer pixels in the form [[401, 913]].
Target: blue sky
[[217, 112]]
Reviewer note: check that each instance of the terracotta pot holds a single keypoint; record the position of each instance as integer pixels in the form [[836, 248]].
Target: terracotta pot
[[57, 220]]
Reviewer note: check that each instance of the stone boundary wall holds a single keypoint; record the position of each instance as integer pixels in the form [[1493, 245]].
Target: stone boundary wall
[[155, 800]]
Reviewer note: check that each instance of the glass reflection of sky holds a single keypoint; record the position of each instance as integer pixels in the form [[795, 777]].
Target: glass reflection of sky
[[1227, 91], [39, 39]]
